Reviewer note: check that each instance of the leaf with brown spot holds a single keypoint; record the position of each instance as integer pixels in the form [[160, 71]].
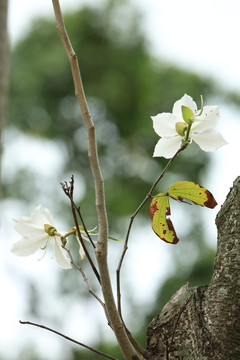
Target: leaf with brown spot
[[159, 208], [163, 227], [193, 192]]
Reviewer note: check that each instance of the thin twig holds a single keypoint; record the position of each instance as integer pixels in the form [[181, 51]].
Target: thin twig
[[83, 224], [69, 192], [84, 247], [87, 283], [67, 338], [130, 226], [84, 277], [79, 214]]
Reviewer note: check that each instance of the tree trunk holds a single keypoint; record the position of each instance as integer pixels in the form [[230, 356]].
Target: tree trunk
[[203, 323], [3, 71]]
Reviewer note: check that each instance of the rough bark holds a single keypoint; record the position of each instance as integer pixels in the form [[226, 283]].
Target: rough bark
[[203, 323], [3, 70]]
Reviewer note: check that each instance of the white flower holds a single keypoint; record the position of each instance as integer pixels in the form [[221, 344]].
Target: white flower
[[172, 127], [36, 234]]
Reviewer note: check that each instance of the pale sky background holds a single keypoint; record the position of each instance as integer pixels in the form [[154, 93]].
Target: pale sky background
[[199, 35]]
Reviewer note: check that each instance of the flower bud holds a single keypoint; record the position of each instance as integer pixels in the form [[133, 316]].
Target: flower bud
[[81, 228], [181, 128], [188, 115]]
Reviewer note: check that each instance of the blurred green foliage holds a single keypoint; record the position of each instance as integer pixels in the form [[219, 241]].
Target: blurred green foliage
[[124, 85]]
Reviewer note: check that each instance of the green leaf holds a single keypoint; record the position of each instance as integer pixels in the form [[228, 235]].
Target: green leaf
[[163, 227], [193, 192]]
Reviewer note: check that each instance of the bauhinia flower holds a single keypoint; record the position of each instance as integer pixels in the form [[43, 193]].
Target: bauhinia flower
[[185, 124], [38, 232]]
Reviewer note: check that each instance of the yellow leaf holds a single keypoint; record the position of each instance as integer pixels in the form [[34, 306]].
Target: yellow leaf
[[193, 192], [163, 227]]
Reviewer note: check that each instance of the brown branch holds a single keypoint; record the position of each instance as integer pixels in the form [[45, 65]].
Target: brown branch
[[79, 212], [149, 194], [87, 282], [79, 268], [83, 224], [69, 192], [74, 209], [68, 338], [84, 276], [102, 246]]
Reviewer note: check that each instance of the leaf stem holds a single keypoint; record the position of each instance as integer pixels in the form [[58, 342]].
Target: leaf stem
[[118, 271], [186, 140]]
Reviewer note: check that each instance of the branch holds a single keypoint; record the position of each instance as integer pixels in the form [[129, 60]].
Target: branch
[[92, 145], [77, 208], [83, 275], [102, 246], [68, 338], [87, 282], [69, 192], [130, 226]]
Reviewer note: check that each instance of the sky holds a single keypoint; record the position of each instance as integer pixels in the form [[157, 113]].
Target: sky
[[199, 35]]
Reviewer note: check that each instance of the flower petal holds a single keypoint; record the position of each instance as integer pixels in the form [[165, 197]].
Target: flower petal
[[209, 140], [208, 119], [27, 229], [33, 225], [41, 216], [81, 252], [28, 246], [187, 101], [61, 254], [167, 146], [164, 124]]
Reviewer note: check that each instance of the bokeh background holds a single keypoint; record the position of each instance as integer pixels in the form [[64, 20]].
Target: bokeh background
[[136, 58]]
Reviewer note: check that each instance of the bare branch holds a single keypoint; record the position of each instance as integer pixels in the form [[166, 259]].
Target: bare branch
[[68, 338], [69, 192], [92, 145], [84, 276]]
